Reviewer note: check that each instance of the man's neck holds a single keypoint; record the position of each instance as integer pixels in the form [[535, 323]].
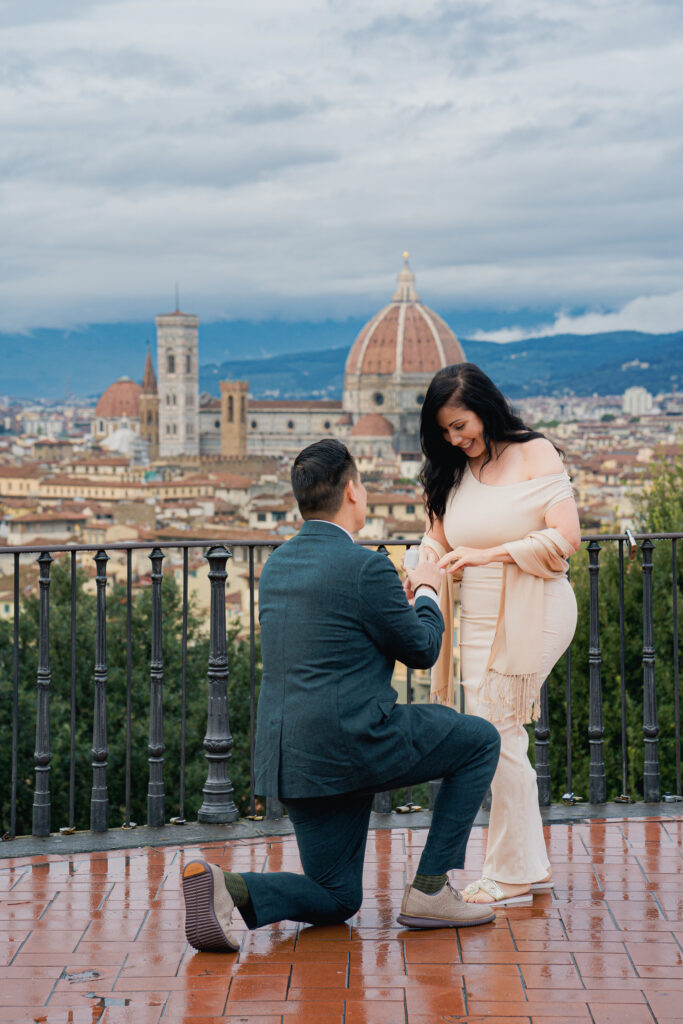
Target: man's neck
[[342, 524]]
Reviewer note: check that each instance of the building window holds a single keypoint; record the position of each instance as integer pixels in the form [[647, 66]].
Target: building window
[[170, 363], [243, 410], [173, 398], [253, 424], [290, 424], [231, 409], [410, 509], [327, 424], [260, 517], [149, 417], [420, 399], [217, 424], [168, 428], [189, 430], [188, 364], [379, 398], [175, 429]]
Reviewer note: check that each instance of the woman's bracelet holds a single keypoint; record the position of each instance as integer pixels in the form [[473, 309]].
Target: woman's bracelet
[[427, 585]]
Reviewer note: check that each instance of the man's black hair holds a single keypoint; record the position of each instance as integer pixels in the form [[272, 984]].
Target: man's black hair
[[319, 475]]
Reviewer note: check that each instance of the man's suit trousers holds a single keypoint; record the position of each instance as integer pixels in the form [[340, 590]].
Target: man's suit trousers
[[331, 831]]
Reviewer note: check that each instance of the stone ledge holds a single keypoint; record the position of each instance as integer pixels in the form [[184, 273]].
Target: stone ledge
[[197, 834]]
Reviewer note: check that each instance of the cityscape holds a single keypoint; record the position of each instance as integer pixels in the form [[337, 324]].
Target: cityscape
[[159, 461]]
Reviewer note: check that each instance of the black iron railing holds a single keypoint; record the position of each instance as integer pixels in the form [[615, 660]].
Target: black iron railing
[[217, 797]]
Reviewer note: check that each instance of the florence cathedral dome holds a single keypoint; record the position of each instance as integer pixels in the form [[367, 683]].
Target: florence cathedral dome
[[395, 356]]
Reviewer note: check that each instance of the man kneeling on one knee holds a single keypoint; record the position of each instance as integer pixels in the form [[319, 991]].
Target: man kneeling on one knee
[[334, 619]]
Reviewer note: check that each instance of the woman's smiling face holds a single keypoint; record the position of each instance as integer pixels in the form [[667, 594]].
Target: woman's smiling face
[[462, 428]]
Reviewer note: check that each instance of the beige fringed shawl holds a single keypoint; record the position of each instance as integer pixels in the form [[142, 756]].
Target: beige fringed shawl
[[443, 684], [513, 678]]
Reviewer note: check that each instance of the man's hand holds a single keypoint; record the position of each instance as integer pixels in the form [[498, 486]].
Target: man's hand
[[427, 572]]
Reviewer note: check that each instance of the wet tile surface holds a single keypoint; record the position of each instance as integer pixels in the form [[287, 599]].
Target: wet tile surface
[[99, 938]]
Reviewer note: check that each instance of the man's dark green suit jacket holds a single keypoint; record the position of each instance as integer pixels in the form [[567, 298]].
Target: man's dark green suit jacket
[[334, 619]]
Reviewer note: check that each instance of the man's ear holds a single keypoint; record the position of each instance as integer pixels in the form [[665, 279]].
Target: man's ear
[[351, 491]]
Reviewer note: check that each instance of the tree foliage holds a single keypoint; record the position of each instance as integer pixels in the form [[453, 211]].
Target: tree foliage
[[660, 507], [60, 703], [660, 511]]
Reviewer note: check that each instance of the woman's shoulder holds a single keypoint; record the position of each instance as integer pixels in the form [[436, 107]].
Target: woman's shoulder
[[540, 458]]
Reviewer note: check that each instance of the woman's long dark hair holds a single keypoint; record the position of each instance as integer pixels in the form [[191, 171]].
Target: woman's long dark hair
[[462, 384]]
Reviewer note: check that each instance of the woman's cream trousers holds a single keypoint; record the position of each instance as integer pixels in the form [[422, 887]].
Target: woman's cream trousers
[[516, 851]]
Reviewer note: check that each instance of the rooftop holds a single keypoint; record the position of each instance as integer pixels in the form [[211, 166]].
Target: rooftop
[[99, 937]]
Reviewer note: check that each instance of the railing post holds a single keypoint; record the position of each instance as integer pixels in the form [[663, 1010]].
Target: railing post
[[542, 737], [155, 748], [180, 820], [650, 726], [624, 797], [382, 802], [99, 797], [127, 823], [71, 826], [597, 780], [252, 682], [15, 702], [43, 754], [218, 805], [568, 796], [677, 707]]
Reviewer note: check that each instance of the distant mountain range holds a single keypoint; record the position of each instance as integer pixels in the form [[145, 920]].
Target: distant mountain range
[[603, 364], [306, 360]]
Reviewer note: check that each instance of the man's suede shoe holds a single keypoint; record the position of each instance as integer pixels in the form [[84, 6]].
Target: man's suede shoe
[[444, 909], [208, 908]]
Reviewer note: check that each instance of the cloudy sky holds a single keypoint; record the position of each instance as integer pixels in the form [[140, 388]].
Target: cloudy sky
[[277, 157]]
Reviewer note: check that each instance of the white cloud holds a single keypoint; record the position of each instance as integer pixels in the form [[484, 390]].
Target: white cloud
[[651, 314], [277, 158]]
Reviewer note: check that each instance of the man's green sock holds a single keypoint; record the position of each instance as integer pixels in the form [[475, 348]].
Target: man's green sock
[[429, 884], [237, 888]]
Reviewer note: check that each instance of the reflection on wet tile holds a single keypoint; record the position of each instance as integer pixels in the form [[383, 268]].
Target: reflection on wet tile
[[100, 938]]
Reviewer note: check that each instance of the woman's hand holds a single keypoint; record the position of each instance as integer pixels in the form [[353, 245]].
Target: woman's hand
[[459, 558]]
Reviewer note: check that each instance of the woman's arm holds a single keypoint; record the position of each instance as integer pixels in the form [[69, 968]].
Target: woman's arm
[[461, 557], [540, 459], [435, 531], [564, 517]]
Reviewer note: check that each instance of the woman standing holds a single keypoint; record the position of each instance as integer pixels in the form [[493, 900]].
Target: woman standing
[[502, 517]]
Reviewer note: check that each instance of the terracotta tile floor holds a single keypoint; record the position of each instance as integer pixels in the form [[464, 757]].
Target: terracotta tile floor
[[99, 938]]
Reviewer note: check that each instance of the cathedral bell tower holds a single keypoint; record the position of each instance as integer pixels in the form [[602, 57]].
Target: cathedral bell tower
[[177, 366]]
